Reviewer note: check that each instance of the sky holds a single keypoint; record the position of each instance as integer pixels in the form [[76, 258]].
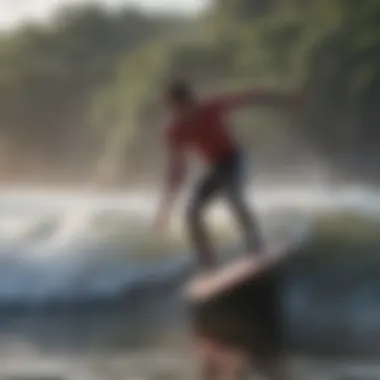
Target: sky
[[12, 12]]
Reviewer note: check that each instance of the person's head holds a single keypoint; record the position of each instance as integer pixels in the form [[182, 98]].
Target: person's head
[[180, 96]]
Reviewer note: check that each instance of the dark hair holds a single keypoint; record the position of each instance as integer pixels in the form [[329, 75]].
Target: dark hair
[[180, 91]]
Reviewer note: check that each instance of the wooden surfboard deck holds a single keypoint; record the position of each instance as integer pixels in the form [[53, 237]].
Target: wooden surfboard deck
[[218, 281]]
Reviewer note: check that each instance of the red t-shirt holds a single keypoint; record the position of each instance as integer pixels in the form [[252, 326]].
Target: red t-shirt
[[207, 134]]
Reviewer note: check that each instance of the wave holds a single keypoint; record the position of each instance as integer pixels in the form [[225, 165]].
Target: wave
[[77, 253], [78, 247]]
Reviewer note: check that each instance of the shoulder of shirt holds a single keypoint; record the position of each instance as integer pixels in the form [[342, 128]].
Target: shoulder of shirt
[[211, 103]]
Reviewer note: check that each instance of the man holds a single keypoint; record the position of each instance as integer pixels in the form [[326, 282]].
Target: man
[[200, 126]]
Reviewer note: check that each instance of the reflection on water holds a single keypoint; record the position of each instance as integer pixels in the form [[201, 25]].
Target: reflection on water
[[81, 296]]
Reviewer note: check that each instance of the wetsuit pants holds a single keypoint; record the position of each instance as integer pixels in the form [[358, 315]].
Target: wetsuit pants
[[225, 178]]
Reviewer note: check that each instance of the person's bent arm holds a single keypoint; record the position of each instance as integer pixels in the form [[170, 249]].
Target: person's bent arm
[[176, 170], [175, 174], [260, 97]]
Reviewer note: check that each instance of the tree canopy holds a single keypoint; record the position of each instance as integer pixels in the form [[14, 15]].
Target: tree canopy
[[81, 94]]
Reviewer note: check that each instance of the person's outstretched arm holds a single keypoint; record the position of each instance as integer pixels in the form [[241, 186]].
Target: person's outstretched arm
[[258, 97], [175, 174]]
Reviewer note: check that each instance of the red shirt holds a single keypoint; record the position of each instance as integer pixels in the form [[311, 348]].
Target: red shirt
[[207, 133]]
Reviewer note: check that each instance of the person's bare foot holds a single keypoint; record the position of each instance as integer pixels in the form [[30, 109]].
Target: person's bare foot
[[206, 270], [207, 266], [257, 252]]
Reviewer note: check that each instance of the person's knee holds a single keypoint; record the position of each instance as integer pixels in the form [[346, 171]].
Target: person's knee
[[237, 201], [241, 209], [193, 214]]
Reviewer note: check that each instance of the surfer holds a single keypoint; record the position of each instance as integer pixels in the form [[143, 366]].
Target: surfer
[[201, 126]]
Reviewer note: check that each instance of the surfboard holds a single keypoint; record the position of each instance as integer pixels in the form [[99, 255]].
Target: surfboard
[[220, 280], [208, 285]]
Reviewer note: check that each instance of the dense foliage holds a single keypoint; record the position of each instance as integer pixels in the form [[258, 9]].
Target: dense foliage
[[80, 95]]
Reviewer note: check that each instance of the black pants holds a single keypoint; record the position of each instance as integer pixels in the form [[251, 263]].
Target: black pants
[[226, 178]]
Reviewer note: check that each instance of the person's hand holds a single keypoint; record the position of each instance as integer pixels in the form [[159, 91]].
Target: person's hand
[[162, 220]]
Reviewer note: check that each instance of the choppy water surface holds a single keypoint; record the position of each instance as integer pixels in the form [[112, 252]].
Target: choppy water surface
[[86, 293]]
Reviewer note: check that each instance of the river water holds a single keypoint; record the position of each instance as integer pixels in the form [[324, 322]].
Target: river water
[[86, 294]]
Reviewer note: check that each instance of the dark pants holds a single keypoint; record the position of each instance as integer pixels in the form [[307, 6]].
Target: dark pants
[[225, 177]]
